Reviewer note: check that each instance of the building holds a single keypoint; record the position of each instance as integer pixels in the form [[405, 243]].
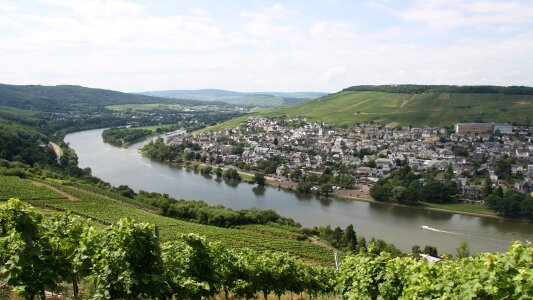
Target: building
[[473, 127], [502, 128]]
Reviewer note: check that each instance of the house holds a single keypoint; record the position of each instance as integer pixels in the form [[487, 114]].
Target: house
[[384, 163], [472, 192]]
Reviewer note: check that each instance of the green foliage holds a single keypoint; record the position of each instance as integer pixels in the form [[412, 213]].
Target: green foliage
[[189, 267], [259, 178], [123, 137], [304, 187], [128, 264], [216, 215], [231, 174], [406, 187], [340, 239], [463, 250], [512, 204], [26, 256], [72, 250], [126, 261], [484, 276], [24, 144]]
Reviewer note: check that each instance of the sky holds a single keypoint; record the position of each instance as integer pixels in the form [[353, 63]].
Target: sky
[[251, 45]]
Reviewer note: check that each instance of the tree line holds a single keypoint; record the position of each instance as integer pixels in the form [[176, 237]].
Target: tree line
[[215, 215], [406, 187], [125, 136], [418, 89]]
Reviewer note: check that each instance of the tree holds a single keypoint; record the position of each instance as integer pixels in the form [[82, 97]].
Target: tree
[[295, 174], [379, 192], [508, 205], [350, 238], [430, 250], [499, 191], [399, 194], [218, 172], [259, 178], [487, 187], [325, 189], [231, 174], [463, 250], [304, 187]]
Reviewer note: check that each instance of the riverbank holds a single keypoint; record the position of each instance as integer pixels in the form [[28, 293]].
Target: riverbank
[[362, 193]]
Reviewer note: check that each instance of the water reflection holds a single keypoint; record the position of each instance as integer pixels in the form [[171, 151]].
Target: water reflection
[[232, 183], [259, 190]]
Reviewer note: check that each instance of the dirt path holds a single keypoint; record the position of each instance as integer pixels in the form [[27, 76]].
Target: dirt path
[[322, 244], [68, 196], [115, 200]]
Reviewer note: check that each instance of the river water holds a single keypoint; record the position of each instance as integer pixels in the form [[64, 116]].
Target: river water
[[399, 225]]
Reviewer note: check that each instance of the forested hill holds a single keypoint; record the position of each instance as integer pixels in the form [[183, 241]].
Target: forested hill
[[417, 105], [72, 97]]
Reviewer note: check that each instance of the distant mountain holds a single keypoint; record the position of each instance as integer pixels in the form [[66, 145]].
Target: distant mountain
[[69, 97], [265, 99]]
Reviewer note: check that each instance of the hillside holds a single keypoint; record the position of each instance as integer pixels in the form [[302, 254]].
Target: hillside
[[417, 109], [71, 97], [106, 207], [264, 99]]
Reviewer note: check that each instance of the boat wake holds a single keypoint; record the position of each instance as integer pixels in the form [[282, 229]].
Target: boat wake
[[425, 227]]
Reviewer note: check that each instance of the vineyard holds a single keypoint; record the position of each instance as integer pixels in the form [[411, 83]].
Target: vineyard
[[24, 189], [127, 260], [107, 207]]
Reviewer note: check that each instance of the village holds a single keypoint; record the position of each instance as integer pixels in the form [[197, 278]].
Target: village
[[368, 152]]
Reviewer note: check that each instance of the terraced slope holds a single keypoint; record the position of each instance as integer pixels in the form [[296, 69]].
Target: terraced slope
[[106, 207], [424, 109]]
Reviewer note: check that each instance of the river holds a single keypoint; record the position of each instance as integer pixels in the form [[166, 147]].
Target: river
[[399, 225]]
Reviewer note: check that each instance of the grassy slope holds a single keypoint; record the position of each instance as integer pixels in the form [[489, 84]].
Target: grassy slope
[[433, 109], [106, 207]]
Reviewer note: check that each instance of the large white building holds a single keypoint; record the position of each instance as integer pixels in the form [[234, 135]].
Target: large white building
[[502, 128]]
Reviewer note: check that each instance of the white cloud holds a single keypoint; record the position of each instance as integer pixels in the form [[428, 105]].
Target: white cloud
[[8, 5], [333, 74], [334, 30], [199, 12], [450, 14], [269, 48], [97, 8]]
